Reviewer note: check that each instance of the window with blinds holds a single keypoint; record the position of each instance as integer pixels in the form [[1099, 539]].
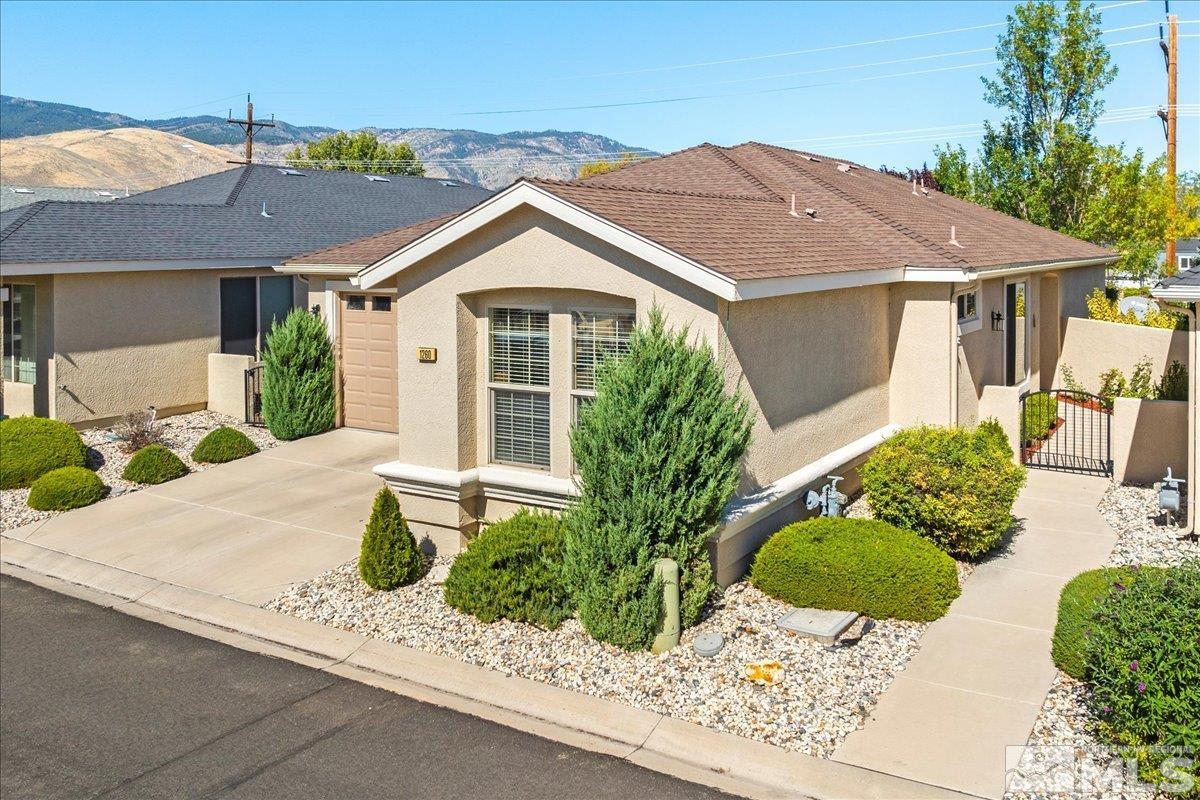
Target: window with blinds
[[521, 428], [520, 346], [595, 336]]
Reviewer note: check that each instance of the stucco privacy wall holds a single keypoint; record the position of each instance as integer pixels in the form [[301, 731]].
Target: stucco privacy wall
[[126, 340], [1147, 438], [1091, 347], [815, 370], [920, 340], [25, 399]]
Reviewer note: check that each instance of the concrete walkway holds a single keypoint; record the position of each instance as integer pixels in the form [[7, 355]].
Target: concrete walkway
[[244, 530], [976, 685]]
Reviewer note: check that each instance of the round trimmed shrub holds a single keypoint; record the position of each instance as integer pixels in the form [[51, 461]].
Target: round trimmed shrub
[[1077, 607], [32, 446], [223, 444], [861, 565], [154, 464], [513, 570], [954, 486], [1143, 662], [389, 556], [65, 488]]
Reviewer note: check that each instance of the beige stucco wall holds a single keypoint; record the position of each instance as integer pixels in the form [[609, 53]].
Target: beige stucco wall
[[815, 368], [1091, 347], [920, 337], [227, 383], [1147, 437], [126, 340], [1076, 285]]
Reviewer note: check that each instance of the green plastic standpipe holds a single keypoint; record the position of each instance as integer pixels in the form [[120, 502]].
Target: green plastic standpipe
[[668, 636]]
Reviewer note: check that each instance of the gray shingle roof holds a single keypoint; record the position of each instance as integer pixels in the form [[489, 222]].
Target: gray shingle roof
[[220, 216], [1191, 278], [14, 195]]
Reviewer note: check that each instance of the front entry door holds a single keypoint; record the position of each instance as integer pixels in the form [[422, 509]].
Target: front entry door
[[368, 344]]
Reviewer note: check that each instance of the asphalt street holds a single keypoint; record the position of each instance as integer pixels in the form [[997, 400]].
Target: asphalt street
[[95, 703]]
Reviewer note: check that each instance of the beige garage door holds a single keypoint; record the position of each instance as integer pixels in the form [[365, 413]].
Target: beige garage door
[[368, 336]]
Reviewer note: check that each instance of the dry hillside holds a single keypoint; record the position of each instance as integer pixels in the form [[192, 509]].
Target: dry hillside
[[137, 158]]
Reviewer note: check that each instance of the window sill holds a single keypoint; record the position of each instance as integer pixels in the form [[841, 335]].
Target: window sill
[[970, 326]]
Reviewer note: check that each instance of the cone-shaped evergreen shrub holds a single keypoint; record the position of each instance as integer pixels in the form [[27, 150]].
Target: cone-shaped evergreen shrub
[[154, 464], [389, 556], [657, 453], [297, 389]]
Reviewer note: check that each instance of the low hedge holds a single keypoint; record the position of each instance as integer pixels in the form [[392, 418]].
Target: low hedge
[[859, 565], [33, 446], [154, 464], [954, 486], [1143, 662], [65, 488], [513, 571], [1077, 606], [223, 444]]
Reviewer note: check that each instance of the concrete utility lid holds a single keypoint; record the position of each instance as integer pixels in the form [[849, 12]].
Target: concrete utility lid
[[815, 623]]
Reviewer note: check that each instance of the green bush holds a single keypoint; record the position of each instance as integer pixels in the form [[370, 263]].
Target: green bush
[[1040, 415], [297, 389], [1143, 662], [1173, 385], [389, 556], [861, 565], [154, 464], [658, 453], [513, 570], [32, 446], [65, 488], [1077, 606], [223, 444], [954, 486]]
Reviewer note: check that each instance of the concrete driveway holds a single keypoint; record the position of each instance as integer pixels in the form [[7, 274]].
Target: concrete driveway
[[244, 530]]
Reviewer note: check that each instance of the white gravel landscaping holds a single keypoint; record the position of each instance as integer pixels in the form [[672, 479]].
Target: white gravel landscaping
[[181, 433], [825, 693], [1066, 719]]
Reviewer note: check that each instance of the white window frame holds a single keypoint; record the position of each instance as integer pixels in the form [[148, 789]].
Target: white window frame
[[576, 392], [1190, 259], [493, 386], [968, 324], [25, 336]]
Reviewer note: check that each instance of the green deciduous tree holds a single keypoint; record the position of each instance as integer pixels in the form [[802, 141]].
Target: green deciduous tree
[[389, 556], [297, 390], [360, 151], [657, 452], [600, 167]]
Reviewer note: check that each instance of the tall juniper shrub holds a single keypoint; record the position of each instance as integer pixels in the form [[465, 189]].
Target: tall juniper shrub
[[657, 452], [297, 391]]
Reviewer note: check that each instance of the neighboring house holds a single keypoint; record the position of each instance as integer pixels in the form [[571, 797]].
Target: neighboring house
[[1185, 288], [110, 307], [840, 301], [1187, 254], [12, 196]]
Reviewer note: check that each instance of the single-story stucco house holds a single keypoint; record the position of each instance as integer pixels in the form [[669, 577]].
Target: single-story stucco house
[[840, 301], [112, 307], [1185, 288]]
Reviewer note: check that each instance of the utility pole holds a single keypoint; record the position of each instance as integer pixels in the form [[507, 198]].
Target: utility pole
[[1171, 54], [250, 127]]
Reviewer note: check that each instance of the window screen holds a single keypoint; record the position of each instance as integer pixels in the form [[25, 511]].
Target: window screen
[[520, 346], [521, 428], [274, 303], [595, 336], [239, 322]]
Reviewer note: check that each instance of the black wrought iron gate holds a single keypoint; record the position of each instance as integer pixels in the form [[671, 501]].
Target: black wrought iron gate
[[254, 395], [1066, 430]]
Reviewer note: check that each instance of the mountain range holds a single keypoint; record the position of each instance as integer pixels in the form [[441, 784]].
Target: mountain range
[[487, 159]]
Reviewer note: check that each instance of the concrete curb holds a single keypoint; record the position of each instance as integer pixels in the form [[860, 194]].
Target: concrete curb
[[678, 748]]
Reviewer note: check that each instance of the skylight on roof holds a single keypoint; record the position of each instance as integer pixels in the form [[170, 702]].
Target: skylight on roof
[[20, 190], [378, 179], [104, 193], [289, 171], [448, 183]]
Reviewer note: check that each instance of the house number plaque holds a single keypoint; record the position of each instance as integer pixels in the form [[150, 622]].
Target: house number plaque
[[427, 355]]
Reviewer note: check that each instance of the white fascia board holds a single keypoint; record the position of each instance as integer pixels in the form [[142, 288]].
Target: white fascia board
[[1041, 266], [527, 194], [757, 288], [1186, 294], [940, 274], [339, 270], [77, 267]]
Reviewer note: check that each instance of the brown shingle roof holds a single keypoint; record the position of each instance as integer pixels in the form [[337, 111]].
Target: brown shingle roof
[[727, 208]]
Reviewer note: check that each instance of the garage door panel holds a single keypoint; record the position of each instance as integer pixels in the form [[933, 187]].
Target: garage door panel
[[368, 356]]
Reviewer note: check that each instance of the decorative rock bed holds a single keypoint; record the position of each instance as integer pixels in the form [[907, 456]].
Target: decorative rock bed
[[1066, 720], [181, 433], [824, 692]]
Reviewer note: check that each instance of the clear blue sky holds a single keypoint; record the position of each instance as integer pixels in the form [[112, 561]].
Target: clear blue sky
[[415, 65]]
